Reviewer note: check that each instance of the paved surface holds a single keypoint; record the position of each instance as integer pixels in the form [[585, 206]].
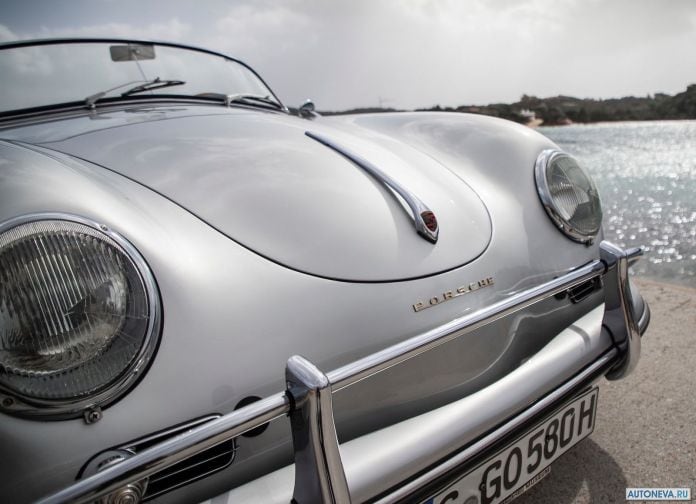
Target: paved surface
[[645, 434]]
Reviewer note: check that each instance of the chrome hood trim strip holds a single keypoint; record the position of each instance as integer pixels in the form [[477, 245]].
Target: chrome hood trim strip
[[423, 218]]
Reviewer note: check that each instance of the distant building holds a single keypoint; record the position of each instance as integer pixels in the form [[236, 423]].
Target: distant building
[[528, 115]]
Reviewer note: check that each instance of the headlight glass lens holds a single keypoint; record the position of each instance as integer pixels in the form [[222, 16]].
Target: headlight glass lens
[[569, 195], [76, 314]]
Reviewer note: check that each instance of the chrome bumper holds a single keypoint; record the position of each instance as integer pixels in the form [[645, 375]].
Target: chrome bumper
[[318, 471]]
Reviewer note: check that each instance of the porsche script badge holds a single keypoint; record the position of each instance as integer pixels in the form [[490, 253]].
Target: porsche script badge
[[446, 296]]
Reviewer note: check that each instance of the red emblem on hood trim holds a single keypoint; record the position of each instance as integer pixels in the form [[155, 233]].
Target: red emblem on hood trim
[[429, 220]]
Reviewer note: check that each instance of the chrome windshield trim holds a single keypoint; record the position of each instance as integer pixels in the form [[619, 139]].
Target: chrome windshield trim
[[424, 219], [108, 40], [617, 319]]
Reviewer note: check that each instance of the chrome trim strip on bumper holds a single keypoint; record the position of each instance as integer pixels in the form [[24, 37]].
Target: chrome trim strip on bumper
[[322, 457], [480, 446], [380, 462]]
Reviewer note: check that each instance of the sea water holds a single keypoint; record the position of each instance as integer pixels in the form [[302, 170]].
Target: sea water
[[646, 174]]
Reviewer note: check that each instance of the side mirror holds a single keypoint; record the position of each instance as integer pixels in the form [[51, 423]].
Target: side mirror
[[307, 110]]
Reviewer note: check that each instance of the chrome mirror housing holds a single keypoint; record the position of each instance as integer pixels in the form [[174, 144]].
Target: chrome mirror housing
[[306, 110]]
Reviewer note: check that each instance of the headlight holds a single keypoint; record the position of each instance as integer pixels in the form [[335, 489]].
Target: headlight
[[79, 315], [569, 195]]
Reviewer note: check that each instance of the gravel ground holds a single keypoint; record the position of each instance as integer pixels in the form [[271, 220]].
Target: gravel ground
[[645, 434]]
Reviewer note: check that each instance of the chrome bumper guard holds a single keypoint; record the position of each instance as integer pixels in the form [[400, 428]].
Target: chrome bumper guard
[[319, 473]]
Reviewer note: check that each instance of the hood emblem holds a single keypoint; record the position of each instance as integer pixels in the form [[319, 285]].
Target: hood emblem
[[424, 219], [449, 295], [429, 220]]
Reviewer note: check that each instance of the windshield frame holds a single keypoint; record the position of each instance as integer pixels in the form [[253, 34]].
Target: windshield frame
[[81, 104]]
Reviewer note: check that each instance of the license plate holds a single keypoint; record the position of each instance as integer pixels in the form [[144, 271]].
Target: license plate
[[522, 464]]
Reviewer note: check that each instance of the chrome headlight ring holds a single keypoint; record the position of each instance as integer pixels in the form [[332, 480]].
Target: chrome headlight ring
[[80, 316], [569, 195]]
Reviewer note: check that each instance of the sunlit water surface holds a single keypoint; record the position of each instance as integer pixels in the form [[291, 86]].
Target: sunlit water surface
[[646, 173]]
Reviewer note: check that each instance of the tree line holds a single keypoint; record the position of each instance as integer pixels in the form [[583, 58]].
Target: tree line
[[567, 109]]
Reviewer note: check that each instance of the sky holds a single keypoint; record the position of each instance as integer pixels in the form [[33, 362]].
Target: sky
[[406, 53]]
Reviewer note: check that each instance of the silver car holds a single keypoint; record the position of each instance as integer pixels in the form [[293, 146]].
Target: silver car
[[204, 295]]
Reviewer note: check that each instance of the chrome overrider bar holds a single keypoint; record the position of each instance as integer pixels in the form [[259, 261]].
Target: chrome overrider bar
[[319, 474]]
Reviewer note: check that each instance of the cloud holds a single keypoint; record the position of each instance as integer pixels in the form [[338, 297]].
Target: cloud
[[6, 35], [411, 53], [171, 30], [415, 53]]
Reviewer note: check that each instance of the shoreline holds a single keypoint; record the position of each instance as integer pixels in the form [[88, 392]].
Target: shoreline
[[628, 121]]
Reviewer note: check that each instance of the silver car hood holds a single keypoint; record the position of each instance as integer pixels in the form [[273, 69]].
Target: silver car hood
[[259, 179]]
